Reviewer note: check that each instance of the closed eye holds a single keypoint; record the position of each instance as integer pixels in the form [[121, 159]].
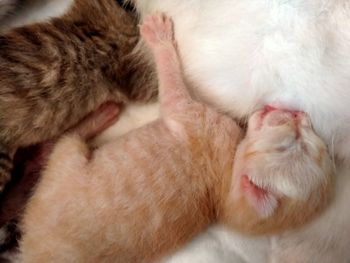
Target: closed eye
[[282, 148]]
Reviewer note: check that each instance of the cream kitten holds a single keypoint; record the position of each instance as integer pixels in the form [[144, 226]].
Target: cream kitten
[[291, 54], [118, 204], [245, 54]]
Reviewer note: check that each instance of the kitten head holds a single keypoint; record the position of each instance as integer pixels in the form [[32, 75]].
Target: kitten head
[[282, 173]]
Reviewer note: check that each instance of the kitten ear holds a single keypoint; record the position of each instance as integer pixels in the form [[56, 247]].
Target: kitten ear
[[263, 201]]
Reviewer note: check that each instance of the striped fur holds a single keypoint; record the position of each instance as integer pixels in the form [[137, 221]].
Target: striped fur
[[7, 6], [53, 73], [149, 192], [5, 166]]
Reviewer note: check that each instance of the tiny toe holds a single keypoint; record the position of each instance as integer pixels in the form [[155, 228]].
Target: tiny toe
[[155, 19], [147, 20], [145, 29], [169, 26], [160, 19], [164, 18]]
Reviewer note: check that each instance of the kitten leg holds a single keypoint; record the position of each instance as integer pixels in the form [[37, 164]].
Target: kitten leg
[[98, 121], [88, 128], [29, 163], [158, 32], [91, 126], [42, 62], [74, 143]]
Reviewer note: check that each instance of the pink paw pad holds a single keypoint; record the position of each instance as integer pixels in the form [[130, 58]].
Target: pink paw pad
[[157, 29]]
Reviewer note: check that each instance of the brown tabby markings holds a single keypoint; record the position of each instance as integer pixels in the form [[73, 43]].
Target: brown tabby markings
[[150, 191], [52, 74], [5, 166], [7, 6]]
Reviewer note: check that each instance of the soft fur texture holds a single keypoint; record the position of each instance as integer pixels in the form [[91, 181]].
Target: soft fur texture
[[52, 74], [178, 174], [293, 54], [286, 53], [248, 53], [21, 12], [6, 6]]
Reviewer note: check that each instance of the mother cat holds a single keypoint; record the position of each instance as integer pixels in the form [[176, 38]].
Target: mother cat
[[286, 53]]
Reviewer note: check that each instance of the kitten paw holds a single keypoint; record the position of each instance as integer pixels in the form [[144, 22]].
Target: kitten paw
[[157, 30], [98, 121]]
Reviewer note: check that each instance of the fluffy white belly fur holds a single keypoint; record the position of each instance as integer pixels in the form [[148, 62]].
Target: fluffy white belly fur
[[244, 54], [295, 54], [292, 53]]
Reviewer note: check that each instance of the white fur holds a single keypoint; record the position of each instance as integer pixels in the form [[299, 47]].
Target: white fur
[[244, 54], [291, 53], [295, 54]]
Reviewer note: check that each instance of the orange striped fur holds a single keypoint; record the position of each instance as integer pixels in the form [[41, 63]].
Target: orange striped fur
[[146, 194]]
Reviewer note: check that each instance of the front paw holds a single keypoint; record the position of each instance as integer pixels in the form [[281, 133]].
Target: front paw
[[157, 30]]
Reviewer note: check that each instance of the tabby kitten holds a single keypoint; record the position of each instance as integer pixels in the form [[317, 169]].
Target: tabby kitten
[[54, 73], [147, 193], [7, 6]]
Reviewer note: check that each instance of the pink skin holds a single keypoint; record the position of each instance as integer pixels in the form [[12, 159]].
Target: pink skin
[[252, 189], [258, 197], [30, 161], [281, 116]]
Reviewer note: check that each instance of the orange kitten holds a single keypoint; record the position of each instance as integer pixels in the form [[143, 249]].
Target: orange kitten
[[147, 193]]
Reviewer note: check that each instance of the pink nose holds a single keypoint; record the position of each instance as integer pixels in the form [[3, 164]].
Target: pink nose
[[269, 108], [296, 114], [276, 117]]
